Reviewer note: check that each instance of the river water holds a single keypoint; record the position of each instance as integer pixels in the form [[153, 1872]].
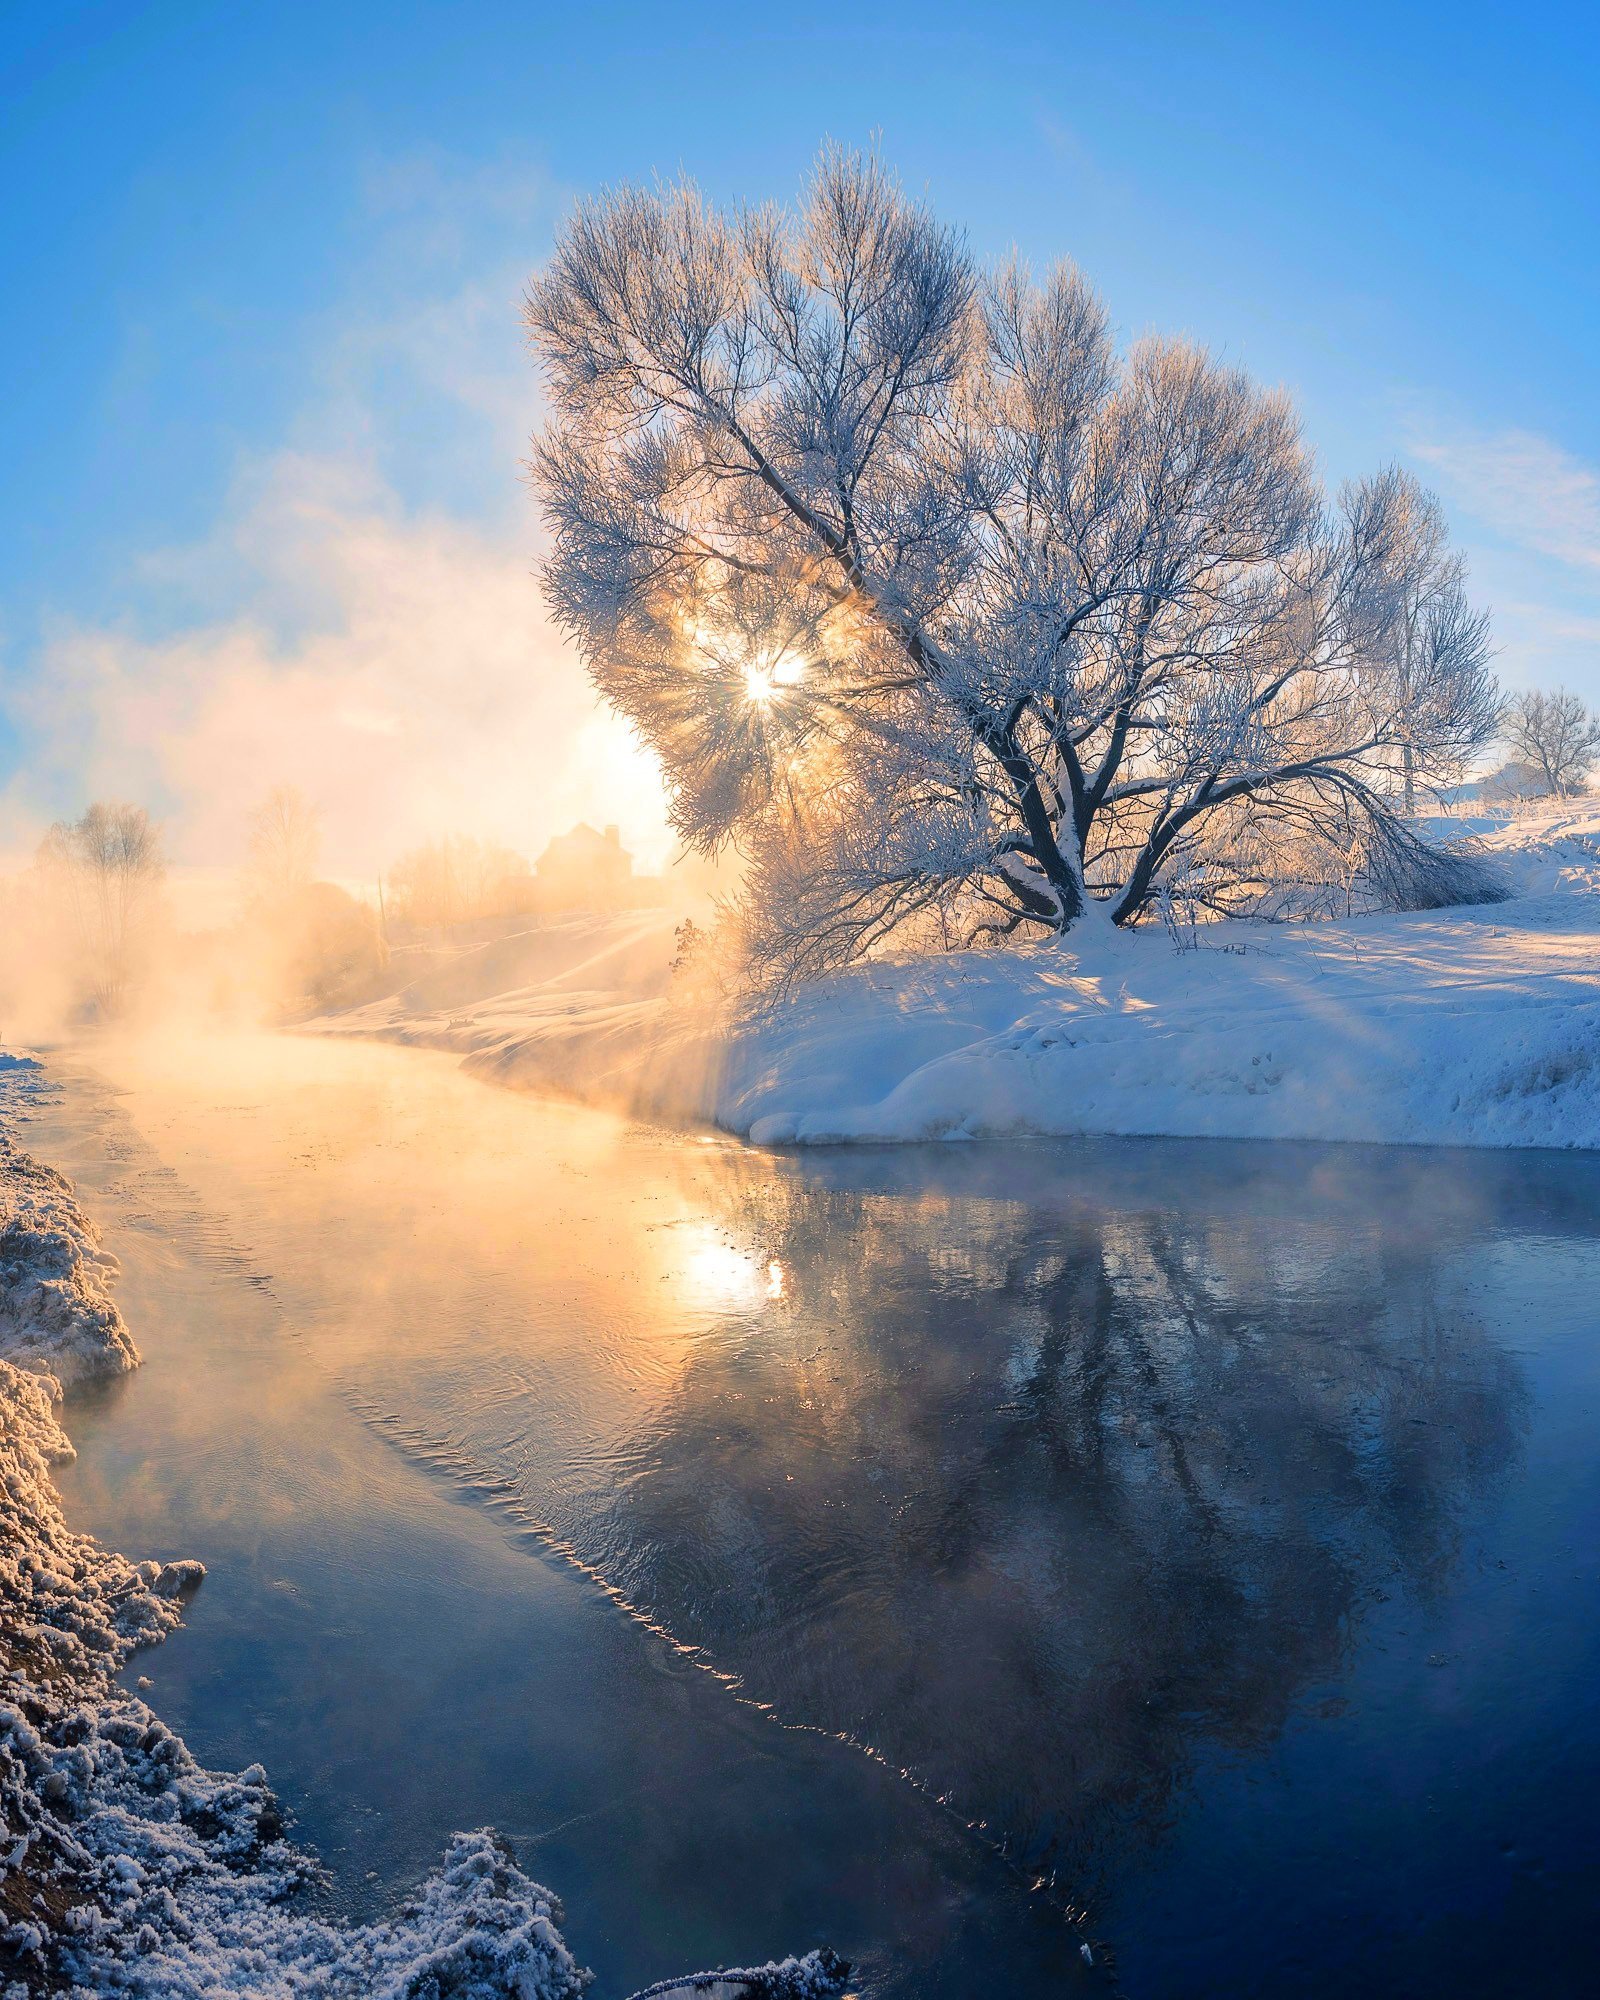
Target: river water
[[1161, 1567]]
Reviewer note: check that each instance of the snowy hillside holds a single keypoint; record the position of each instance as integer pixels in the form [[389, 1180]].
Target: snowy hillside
[[1473, 1026]]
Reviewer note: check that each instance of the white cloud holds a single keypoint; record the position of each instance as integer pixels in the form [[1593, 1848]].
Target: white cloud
[[1528, 515], [1523, 487]]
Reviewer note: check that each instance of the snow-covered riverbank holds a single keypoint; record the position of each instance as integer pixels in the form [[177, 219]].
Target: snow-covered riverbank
[[126, 1867], [1474, 1026]]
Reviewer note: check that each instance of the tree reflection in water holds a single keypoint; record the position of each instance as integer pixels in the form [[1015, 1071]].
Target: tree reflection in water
[[1041, 1471]]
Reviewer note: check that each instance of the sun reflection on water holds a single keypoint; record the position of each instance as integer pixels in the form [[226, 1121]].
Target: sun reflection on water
[[718, 1274]]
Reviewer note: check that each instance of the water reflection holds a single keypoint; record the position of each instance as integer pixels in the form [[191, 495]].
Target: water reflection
[[1036, 1481], [1066, 1477]]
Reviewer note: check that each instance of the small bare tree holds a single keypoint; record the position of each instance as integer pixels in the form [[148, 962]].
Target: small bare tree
[[104, 871], [1556, 734], [285, 841]]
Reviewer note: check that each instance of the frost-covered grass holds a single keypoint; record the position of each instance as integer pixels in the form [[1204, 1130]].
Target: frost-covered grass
[[1472, 1026], [126, 1867]]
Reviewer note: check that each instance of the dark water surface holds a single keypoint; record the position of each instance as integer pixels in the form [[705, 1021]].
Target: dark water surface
[[1180, 1548]]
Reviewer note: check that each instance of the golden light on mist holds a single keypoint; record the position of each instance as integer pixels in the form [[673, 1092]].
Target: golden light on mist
[[406, 676]]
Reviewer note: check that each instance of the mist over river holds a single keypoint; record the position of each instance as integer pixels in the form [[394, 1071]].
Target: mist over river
[[1160, 1564]]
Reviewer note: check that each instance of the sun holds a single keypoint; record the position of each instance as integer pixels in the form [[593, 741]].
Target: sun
[[767, 675]]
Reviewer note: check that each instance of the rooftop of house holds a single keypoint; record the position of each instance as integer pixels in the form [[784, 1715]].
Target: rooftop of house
[[583, 844]]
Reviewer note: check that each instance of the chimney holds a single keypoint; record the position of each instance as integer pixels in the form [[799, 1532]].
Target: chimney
[[612, 839]]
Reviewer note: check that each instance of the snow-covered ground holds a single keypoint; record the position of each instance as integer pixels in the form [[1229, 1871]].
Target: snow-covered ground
[[126, 1868], [1477, 1026]]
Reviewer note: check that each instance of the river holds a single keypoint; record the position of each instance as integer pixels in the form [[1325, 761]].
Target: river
[[1165, 1566]]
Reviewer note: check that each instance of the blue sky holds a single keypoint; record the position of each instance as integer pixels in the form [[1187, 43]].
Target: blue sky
[[267, 392]]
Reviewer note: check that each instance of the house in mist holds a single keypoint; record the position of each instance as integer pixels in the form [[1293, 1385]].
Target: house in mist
[[586, 870]]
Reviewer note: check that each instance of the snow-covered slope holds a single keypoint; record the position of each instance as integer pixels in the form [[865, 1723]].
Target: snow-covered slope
[[1475, 1026]]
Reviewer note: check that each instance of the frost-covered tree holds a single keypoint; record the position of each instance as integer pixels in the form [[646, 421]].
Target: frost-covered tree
[[456, 879], [1424, 622], [934, 601], [1557, 735], [103, 873]]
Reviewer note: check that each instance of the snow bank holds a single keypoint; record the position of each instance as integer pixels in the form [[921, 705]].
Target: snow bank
[[55, 1311], [126, 1868], [813, 1977], [1475, 1026]]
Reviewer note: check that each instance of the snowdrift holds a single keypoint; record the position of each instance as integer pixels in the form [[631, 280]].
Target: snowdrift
[[55, 1313], [1469, 1026]]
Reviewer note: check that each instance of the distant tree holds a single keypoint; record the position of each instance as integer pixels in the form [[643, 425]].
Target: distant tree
[[285, 841], [337, 951], [456, 879], [104, 871], [1423, 620], [932, 601], [1555, 733]]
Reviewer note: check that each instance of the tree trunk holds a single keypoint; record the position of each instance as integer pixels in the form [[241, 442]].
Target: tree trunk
[[1066, 882]]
